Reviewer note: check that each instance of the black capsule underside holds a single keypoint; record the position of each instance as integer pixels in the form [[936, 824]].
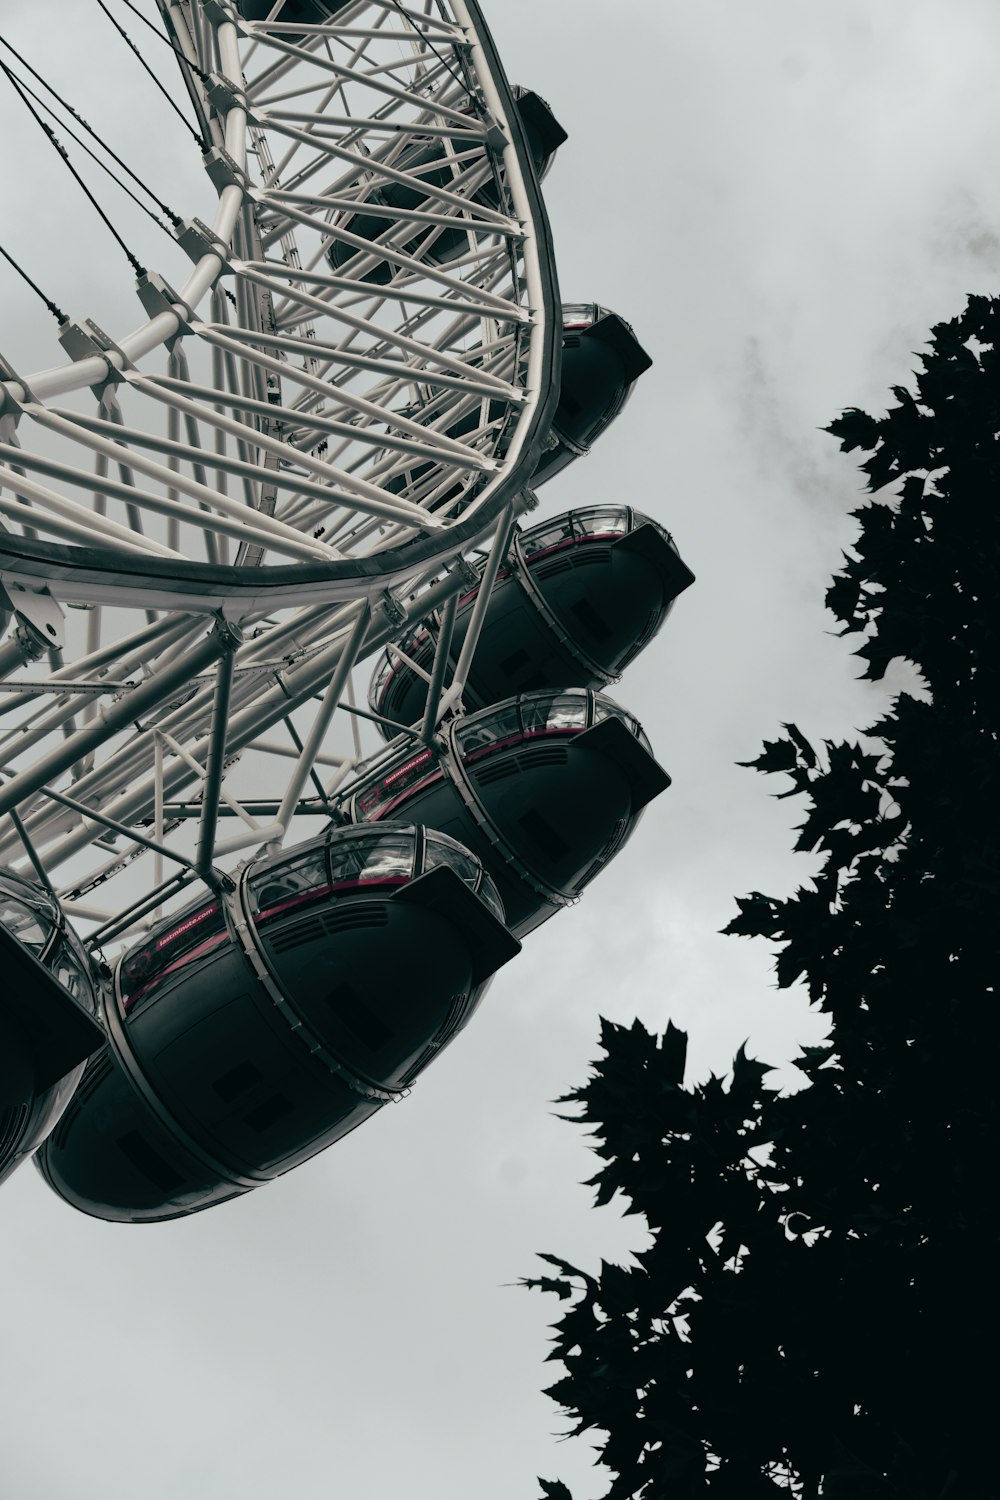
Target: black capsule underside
[[600, 365], [602, 599], [208, 1088], [543, 814], [45, 1037]]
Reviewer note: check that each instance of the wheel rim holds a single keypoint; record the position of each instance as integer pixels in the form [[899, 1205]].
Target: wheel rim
[[223, 504]]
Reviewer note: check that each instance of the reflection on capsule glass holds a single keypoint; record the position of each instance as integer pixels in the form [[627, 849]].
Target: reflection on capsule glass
[[48, 1003], [545, 788], [245, 1037], [577, 598]]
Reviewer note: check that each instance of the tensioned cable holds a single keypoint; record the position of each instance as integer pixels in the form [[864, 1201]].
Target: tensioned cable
[[102, 164], [164, 208], [56, 311], [426, 39], [136, 265], [157, 33], [159, 83], [297, 742]]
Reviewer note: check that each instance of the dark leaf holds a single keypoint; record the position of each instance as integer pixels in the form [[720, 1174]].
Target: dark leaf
[[777, 755], [812, 1306], [802, 745]]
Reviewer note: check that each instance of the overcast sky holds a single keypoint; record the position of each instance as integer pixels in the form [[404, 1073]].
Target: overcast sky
[[782, 198]]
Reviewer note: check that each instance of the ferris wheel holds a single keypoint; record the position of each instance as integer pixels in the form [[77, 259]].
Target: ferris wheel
[[256, 904]]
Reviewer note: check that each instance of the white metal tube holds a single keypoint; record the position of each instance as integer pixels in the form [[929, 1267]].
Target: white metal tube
[[441, 654], [215, 766], [522, 206], [89, 431], [158, 807], [163, 738], [394, 510], [464, 305], [455, 451], [366, 80], [498, 551], [268, 833], [321, 722], [269, 747], [248, 724], [153, 691], [388, 336]]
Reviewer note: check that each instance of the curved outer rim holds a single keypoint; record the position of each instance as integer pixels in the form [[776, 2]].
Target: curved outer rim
[[344, 578], [118, 1040], [243, 937], [522, 574], [467, 793], [245, 933], [450, 762], [116, 1030]]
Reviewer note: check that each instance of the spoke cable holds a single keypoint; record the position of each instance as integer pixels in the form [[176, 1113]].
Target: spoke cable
[[105, 168], [463, 85], [178, 53], [136, 265], [56, 311], [164, 208], [202, 145]]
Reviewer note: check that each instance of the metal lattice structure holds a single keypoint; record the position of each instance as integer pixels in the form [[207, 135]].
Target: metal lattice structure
[[209, 520]]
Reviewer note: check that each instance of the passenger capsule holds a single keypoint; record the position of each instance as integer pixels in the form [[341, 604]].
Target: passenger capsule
[[247, 1033], [577, 598], [544, 788], [460, 166], [47, 1006], [601, 361]]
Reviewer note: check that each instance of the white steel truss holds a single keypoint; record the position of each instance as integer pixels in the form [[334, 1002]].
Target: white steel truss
[[207, 522]]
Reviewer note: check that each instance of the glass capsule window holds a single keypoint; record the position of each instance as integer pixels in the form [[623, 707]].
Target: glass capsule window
[[607, 708], [329, 867], [489, 731], [70, 965], [598, 521], [535, 714], [27, 912], [34, 918], [347, 860], [386, 860], [376, 800], [550, 715], [294, 882], [27, 925], [442, 850], [580, 314], [189, 934], [530, 715]]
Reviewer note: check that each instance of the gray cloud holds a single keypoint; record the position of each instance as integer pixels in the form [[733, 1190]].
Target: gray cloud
[[815, 183]]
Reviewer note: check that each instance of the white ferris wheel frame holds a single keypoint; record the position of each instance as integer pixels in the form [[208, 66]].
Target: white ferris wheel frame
[[162, 625]]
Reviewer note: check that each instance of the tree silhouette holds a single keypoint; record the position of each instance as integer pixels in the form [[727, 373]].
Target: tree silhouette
[[817, 1311]]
